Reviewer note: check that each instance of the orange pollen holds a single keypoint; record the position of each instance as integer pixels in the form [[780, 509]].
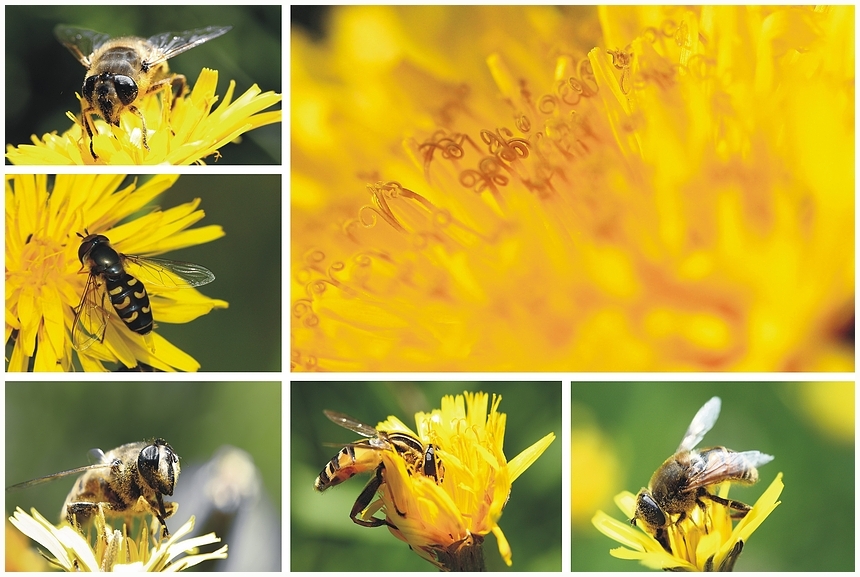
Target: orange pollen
[[42, 262]]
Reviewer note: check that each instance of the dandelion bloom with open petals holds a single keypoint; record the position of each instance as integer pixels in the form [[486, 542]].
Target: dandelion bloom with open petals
[[445, 519], [184, 132], [44, 280], [540, 188], [114, 550], [694, 548]]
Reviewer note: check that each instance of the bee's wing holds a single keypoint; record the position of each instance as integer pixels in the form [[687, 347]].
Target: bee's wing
[[166, 273], [702, 423], [352, 424], [90, 316], [60, 475], [81, 42], [725, 466], [169, 44]]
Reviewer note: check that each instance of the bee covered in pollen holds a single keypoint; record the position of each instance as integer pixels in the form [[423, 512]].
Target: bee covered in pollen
[[122, 71]]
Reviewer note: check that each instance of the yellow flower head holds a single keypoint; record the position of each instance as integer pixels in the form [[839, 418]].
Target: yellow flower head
[[45, 279], [704, 541], [444, 518], [501, 188], [114, 550], [180, 131]]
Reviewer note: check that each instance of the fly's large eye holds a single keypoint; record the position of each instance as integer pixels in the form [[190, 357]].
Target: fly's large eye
[[650, 511], [125, 88], [89, 87], [156, 465]]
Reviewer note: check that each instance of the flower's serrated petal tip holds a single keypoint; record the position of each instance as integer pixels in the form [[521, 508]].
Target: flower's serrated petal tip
[[524, 460]]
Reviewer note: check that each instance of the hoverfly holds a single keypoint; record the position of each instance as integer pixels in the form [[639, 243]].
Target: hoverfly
[[121, 71], [127, 481], [109, 281], [682, 481], [365, 455]]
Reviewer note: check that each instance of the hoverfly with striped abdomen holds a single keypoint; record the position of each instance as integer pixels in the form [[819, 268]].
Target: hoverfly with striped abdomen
[[110, 285], [365, 456]]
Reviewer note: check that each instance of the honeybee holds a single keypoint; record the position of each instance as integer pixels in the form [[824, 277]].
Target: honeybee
[[127, 481], [109, 281], [365, 455], [121, 71], [681, 483]]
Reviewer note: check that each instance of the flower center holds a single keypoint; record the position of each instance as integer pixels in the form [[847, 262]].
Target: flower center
[[43, 261]]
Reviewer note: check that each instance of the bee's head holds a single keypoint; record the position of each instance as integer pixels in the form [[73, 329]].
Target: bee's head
[[109, 93], [89, 242], [158, 464]]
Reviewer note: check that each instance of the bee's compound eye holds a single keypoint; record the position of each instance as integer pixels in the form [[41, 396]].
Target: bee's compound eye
[[156, 465], [649, 511], [89, 87], [125, 88]]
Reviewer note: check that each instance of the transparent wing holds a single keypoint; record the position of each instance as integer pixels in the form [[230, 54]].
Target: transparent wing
[[60, 475], [725, 465], [96, 457], [166, 273], [169, 44], [90, 316], [702, 423], [352, 424], [81, 42]]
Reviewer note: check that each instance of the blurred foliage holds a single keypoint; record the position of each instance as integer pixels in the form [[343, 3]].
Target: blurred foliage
[[42, 76], [322, 536], [812, 530], [196, 418]]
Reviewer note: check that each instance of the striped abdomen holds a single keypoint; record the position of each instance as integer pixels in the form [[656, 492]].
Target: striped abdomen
[[129, 299]]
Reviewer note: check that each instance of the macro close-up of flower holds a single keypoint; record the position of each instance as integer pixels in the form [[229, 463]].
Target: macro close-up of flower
[[207, 91], [51, 296], [578, 188]]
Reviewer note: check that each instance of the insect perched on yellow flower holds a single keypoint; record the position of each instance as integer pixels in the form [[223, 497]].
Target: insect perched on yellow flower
[[68, 299], [685, 509], [442, 488]]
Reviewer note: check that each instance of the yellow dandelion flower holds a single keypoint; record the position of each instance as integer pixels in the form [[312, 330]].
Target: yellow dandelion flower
[[180, 131], [45, 281], [496, 188], [704, 541], [114, 550], [445, 518]]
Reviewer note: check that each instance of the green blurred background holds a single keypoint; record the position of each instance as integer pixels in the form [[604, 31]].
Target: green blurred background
[[808, 427], [50, 427], [42, 76], [323, 538]]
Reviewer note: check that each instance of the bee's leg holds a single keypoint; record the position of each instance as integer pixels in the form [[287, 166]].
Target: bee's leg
[[179, 87], [142, 124], [364, 499], [86, 120], [738, 510], [78, 513], [662, 537], [161, 514]]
